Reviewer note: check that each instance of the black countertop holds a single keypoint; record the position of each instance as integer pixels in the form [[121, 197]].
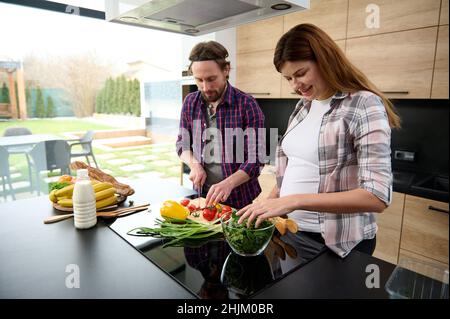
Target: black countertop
[[427, 185], [37, 260]]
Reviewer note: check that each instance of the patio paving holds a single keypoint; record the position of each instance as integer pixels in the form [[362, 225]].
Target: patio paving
[[159, 150], [163, 163], [105, 156], [133, 168], [119, 161], [134, 153], [146, 158]]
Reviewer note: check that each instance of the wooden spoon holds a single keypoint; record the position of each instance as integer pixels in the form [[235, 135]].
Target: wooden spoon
[[291, 251], [110, 214], [283, 224], [279, 251]]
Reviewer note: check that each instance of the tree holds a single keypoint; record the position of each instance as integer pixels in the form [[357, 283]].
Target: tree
[[28, 98], [50, 111], [85, 76], [122, 98], [40, 106], [109, 96], [100, 101], [136, 103], [80, 76]]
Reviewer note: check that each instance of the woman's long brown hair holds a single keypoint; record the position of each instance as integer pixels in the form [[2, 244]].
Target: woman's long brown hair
[[309, 43]]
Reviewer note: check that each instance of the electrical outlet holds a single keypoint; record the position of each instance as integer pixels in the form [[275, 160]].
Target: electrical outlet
[[407, 156]]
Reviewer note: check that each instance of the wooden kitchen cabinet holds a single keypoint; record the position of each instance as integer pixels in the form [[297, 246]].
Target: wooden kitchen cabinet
[[394, 16], [444, 12], [389, 229], [399, 63], [440, 77], [329, 15], [259, 36], [425, 231], [286, 90], [256, 74]]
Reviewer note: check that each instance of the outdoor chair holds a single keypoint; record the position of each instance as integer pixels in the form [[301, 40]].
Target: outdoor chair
[[86, 147], [5, 172], [49, 156], [17, 131]]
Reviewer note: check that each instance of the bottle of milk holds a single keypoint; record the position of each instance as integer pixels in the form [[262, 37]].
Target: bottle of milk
[[84, 210]]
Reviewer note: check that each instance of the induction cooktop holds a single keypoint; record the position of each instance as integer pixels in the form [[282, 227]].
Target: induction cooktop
[[210, 270]]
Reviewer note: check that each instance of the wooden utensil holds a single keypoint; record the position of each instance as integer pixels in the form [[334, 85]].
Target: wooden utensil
[[291, 251], [283, 224], [107, 214], [279, 251]]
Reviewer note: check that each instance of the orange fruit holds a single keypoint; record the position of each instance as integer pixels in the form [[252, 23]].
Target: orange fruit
[[65, 178]]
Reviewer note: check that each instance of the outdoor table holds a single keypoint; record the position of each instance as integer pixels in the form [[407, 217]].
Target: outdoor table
[[22, 144], [26, 140]]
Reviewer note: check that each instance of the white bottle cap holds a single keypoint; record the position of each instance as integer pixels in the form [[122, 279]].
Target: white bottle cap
[[82, 174]]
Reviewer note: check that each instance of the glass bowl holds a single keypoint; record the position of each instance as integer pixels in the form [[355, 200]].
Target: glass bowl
[[246, 241]]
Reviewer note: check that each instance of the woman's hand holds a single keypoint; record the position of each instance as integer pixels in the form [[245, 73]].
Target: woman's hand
[[219, 192], [264, 209]]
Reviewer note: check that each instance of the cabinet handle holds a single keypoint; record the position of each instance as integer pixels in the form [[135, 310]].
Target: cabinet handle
[[437, 209], [395, 92], [258, 93]]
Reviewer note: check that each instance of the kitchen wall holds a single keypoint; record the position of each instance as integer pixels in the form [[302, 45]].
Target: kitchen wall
[[425, 130]]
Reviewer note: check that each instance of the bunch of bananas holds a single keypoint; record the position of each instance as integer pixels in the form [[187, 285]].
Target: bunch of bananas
[[104, 195]]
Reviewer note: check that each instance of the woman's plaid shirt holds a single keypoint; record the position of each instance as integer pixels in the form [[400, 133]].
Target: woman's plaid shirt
[[354, 152]]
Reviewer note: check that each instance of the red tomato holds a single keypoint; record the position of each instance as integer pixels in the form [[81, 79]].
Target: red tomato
[[185, 202], [192, 208], [209, 213], [225, 216], [226, 209]]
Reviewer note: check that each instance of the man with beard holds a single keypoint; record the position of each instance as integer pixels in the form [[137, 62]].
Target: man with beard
[[206, 144]]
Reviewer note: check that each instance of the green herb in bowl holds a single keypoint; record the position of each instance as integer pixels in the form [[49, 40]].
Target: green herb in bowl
[[246, 241]]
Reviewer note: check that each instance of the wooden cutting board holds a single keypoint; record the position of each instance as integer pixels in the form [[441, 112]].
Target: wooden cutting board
[[199, 202]]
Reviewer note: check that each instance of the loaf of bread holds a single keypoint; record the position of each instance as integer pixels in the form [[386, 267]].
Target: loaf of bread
[[97, 174]]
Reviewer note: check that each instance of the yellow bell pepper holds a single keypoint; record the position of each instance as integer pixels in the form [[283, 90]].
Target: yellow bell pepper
[[173, 209]]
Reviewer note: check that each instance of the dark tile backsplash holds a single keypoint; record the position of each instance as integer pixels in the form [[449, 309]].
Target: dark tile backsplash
[[425, 131]]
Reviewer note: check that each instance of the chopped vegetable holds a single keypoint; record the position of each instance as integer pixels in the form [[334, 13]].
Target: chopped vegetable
[[185, 202], [178, 230], [192, 208]]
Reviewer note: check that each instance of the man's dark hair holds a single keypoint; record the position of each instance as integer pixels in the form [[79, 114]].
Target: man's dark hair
[[209, 51]]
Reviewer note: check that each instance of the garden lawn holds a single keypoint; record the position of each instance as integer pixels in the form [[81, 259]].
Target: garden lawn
[[54, 126]]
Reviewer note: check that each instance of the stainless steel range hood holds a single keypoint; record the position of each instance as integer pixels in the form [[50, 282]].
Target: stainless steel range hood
[[196, 17]]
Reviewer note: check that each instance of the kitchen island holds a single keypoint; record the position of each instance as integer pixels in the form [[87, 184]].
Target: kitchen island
[[59, 261]]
